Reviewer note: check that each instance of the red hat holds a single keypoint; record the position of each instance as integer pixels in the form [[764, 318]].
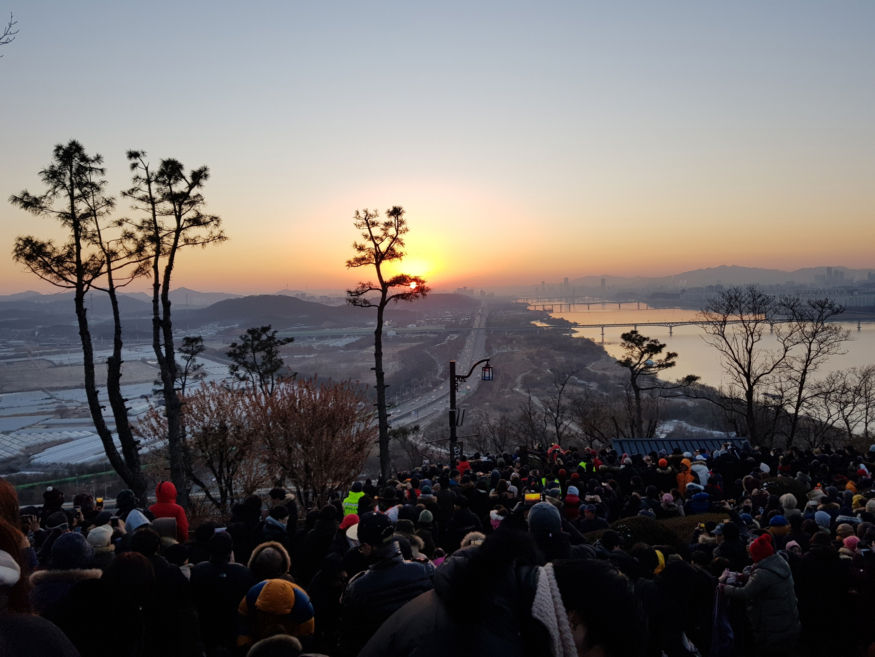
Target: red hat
[[761, 548], [662, 463], [348, 521]]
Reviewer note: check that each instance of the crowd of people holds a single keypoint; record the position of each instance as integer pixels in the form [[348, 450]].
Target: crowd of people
[[508, 554]]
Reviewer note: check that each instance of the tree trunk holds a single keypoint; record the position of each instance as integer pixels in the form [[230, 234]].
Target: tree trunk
[[117, 402], [382, 413]]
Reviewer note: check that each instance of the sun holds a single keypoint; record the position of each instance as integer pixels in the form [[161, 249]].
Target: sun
[[413, 285]]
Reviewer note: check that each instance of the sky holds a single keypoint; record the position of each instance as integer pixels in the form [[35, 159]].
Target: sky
[[526, 141]]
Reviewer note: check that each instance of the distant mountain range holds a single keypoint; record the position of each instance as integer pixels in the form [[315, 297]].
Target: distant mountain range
[[28, 312], [729, 275]]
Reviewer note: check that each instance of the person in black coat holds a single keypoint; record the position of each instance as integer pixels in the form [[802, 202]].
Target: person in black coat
[[490, 600], [170, 607], [217, 587], [376, 593]]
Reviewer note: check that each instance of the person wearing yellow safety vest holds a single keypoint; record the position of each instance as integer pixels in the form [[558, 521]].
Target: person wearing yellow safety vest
[[351, 501]]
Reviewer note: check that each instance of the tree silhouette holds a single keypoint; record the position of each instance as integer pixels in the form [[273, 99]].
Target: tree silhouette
[[172, 204], [644, 361], [256, 358], [89, 259], [9, 31], [382, 241]]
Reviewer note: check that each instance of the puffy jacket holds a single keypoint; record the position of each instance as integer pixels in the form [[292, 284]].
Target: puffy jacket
[[475, 609], [375, 594], [770, 597], [166, 507]]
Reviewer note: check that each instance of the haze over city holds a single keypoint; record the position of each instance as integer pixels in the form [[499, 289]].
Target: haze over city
[[526, 142]]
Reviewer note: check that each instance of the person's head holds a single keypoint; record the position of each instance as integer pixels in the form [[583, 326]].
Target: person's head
[[220, 547], [269, 560], [280, 514], [125, 501], [278, 645], [601, 607], [13, 586], [71, 551], [761, 547], [544, 519], [129, 579], [53, 498], [146, 541], [373, 527]]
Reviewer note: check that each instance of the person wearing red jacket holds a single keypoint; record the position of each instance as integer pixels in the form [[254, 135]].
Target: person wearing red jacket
[[166, 507]]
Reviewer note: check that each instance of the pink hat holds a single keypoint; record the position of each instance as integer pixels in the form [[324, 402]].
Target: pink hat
[[851, 542]]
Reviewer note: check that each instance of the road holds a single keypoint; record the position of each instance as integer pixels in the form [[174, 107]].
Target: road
[[436, 402]]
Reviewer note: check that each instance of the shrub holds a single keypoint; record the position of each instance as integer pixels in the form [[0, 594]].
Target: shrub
[[675, 532]]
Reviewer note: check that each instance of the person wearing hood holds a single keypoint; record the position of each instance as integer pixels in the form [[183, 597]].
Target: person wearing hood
[[70, 563], [770, 597], [166, 507], [22, 634], [684, 476], [493, 599]]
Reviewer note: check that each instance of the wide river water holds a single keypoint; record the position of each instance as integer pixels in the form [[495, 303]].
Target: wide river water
[[695, 356]]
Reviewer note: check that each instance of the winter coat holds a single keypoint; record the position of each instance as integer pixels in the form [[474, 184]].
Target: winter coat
[[166, 507], [217, 589], [469, 613], [770, 597], [375, 594], [52, 587], [24, 635]]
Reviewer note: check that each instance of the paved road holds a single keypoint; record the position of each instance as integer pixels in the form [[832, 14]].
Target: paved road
[[436, 402]]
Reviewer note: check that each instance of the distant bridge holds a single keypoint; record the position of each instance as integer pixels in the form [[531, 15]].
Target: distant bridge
[[564, 304]]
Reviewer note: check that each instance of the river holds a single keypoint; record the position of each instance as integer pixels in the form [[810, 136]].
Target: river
[[695, 356]]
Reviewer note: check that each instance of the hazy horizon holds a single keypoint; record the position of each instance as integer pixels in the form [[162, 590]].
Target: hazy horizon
[[526, 143]]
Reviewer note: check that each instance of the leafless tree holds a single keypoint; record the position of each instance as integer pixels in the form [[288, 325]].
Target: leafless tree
[[316, 435], [9, 31], [225, 453], [736, 323], [555, 407], [815, 338]]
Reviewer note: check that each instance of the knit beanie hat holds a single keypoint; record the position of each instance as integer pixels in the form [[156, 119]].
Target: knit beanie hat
[[126, 500], [544, 518], [100, 537], [761, 548], [572, 490], [426, 517], [822, 519], [851, 542], [70, 551], [10, 572]]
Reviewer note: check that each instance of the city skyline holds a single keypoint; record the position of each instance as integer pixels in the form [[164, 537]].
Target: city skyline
[[525, 143]]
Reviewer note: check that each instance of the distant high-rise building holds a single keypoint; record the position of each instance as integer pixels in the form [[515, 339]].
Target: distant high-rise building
[[604, 283]]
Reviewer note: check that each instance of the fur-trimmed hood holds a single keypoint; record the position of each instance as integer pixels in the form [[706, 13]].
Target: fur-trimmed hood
[[50, 587], [275, 545], [74, 575]]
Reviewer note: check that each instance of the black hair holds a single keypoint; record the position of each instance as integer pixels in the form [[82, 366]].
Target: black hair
[[146, 541], [279, 512]]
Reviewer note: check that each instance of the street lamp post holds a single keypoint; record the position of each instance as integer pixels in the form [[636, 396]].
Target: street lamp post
[[455, 379]]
